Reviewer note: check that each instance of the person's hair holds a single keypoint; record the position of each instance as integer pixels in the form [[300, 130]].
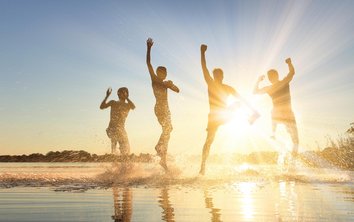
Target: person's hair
[[161, 72], [273, 75], [218, 74], [121, 90]]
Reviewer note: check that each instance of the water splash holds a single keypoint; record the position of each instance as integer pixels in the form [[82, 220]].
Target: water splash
[[79, 177]]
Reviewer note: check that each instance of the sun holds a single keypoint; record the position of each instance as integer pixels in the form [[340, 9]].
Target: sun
[[239, 118], [238, 135]]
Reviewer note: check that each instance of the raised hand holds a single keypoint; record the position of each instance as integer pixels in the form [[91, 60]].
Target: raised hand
[[149, 42], [288, 60], [109, 91], [203, 48]]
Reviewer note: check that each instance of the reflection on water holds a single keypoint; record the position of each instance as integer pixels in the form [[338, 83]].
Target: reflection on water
[[215, 212], [288, 201], [250, 201], [122, 199], [246, 189], [165, 204], [239, 201]]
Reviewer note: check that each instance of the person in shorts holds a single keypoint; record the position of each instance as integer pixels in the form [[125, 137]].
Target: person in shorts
[[282, 112], [119, 112], [220, 113], [162, 110]]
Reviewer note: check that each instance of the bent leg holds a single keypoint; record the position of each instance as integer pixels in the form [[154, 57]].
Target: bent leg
[[123, 141], [292, 129], [162, 145], [274, 128], [164, 118], [113, 146]]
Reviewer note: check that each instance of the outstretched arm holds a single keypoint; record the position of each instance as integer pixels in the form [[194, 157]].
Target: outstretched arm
[[291, 73], [206, 73], [169, 84], [258, 90], [149, 44], [104, 103]]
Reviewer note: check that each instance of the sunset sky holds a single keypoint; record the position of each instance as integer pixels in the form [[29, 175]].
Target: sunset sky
[[57, 58]]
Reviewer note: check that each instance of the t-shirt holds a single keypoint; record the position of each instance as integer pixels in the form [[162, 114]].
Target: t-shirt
[[280, 94], [218, 94]]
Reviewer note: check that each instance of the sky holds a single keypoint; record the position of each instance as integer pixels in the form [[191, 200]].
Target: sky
[[57, 59]]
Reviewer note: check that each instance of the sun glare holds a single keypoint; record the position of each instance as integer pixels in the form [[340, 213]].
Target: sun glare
[[238, 123]]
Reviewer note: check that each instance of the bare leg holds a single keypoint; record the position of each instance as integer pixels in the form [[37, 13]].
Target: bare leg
[[274, 128], [123, 141], [206, 148], [162, 144], [292, 129], [113, 146]]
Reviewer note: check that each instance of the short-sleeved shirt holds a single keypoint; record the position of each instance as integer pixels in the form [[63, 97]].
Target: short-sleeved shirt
[[280, 94], [218, 94]]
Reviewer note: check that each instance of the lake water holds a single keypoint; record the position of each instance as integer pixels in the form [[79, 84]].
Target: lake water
[[142, 192]]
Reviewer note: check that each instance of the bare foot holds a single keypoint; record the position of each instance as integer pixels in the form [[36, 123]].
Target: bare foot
[[202, 171]]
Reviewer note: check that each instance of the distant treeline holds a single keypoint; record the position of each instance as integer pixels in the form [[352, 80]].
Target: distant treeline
[[74, 156], [340, 157]]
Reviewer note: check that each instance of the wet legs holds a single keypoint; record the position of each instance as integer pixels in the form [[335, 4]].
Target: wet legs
[[206, 148]]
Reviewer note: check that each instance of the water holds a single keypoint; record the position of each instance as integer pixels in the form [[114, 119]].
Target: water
[[141, 192]]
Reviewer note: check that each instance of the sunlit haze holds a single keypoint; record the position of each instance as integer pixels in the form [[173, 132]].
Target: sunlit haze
[[57, 59]]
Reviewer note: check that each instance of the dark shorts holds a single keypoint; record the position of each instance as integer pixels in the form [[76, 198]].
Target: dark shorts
[[283, 116], [216, 119]]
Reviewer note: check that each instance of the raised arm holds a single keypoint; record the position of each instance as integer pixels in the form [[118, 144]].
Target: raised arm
[[206, 73], [149, 44], [104, 103], [169, 84], [291, 73], [258, 90]]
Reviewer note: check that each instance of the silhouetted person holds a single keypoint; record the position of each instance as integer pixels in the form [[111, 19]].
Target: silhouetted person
[[282, 113], [219, 111], [123, 205], [164, 202], [162, 111], [119, 112]]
